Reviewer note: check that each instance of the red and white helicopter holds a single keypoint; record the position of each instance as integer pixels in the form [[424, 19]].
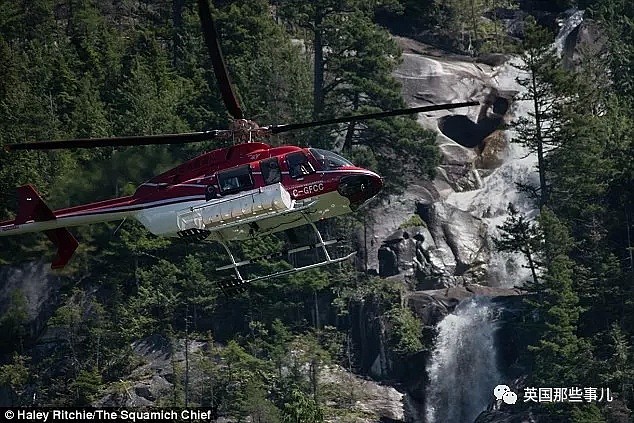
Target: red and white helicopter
[[235, 193]]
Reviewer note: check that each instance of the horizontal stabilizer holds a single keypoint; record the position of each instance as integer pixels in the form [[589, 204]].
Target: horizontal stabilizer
[[31, 208]]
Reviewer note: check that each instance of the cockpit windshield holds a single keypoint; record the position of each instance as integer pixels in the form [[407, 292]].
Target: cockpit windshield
[[329, 160]]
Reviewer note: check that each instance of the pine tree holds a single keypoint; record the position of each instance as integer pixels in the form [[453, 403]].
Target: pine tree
[[558, 350], [519, 234], [15, 377], [353, 61], [543, 77]]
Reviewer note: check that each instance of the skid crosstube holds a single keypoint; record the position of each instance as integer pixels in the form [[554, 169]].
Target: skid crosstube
[[239, 283]]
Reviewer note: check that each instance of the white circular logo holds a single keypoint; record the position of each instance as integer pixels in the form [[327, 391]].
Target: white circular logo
[[509, 397], [500, 390]]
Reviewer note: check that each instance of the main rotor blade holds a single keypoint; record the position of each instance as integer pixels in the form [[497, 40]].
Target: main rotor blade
[[116, 141], [276, 129], [217, 60]]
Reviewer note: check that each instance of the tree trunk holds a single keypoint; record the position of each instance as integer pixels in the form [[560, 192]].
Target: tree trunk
[[177, 17], [474, 21], [316, 300], [186, 356], [347, 143], [318, 81], [629, 239], [531, 265], [543, 195]]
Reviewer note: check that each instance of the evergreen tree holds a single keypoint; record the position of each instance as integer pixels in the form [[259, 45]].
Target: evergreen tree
[[519, 234], [558, 351], [15, 377], [353, 61], [543, 76]]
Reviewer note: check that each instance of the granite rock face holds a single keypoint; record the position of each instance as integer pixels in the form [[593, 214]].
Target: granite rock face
[[432, 305], [451, 250], [33, 285], [453, 247]]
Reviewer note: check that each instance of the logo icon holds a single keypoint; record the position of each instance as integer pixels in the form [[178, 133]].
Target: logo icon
[[503, 393]]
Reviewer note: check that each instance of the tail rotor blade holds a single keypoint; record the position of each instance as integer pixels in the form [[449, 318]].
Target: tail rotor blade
[[276, 129], [217, 60]]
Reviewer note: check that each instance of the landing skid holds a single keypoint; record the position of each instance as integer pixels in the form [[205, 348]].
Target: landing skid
[[239, 283]]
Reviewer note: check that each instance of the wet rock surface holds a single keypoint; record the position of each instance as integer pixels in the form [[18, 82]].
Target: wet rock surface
[[585, 40], [504, 417], [457, 246], [432, 305]]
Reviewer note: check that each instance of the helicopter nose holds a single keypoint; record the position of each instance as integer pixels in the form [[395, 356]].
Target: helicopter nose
[[360, 188]]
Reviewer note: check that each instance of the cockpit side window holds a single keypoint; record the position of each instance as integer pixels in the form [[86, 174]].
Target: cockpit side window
[[271, 171], [329, 160], [298, 165], [235, 180]]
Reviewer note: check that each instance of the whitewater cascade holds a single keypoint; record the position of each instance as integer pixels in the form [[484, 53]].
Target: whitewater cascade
[[463, 366]]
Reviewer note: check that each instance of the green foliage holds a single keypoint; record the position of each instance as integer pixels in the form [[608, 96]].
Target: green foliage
[[557, 304], [472, 25], [13, 323], [84, 69], [406, 331], [15, 376], [519, 234], [587, 413], [543, 79], [615, 350], [353, 64], [616, 17], [414, 221], [299, 407], [86, 385]]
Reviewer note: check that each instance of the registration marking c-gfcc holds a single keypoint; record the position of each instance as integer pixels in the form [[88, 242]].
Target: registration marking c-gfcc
[[308, 189]]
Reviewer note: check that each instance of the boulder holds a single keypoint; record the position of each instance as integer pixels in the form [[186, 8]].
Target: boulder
[[385, 218], [494, 416], [461, 243], [453, 153], [494, 151], [585, 40], [370, 400], [460, 177], [432, 305], [407, 253]]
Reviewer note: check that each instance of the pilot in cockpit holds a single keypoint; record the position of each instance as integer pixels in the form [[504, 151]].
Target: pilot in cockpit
[[298, 165]]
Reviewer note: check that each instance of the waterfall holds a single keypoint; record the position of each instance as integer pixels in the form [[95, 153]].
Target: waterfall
[[566, 26], [463, 370], [490, 202], [500, 188]]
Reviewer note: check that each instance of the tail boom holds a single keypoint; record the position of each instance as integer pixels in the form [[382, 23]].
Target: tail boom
[[35, 216]]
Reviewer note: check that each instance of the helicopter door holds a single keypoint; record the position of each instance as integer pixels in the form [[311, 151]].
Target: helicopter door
[[235, 180], [271, 171]]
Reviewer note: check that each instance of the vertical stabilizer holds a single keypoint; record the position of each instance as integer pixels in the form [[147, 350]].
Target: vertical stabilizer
[[31, 208]]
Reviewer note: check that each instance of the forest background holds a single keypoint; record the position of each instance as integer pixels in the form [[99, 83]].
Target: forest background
[[78, 68]]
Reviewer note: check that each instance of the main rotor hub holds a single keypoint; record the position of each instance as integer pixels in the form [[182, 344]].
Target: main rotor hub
[[244, 130]]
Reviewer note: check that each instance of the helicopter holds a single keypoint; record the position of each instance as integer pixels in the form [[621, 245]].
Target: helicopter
[[249, 189]]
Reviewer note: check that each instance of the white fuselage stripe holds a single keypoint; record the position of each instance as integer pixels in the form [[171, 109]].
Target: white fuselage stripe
[[139, 206]]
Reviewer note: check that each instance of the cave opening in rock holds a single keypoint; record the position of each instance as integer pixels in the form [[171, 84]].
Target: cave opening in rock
[[465, 132]]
